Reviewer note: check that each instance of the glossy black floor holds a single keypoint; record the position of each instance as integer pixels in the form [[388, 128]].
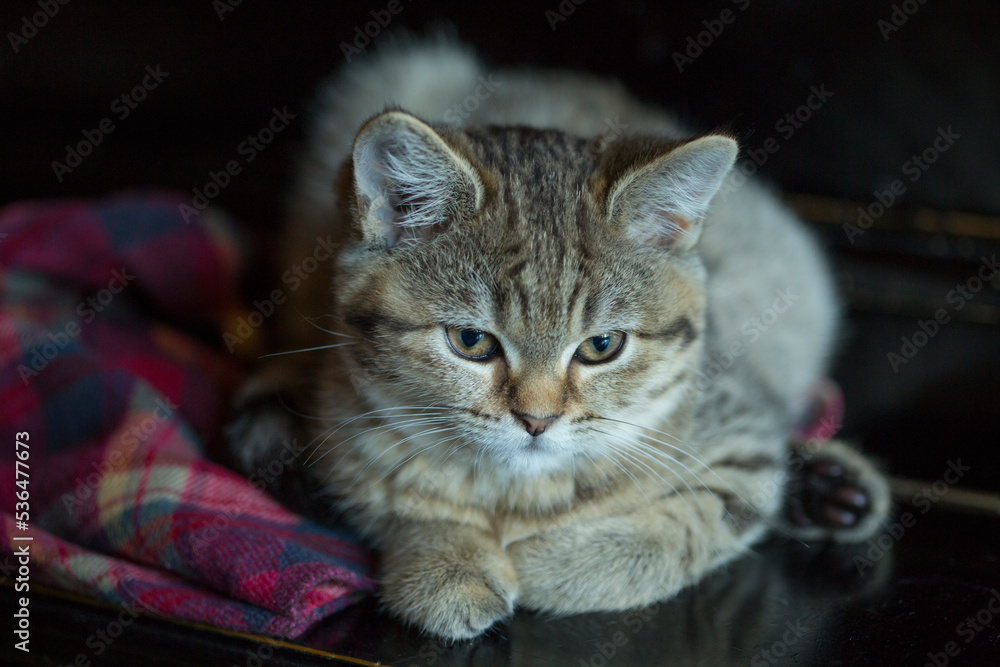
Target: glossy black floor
[[926, 591]]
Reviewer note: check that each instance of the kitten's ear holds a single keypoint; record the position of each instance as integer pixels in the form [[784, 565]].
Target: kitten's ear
[[664, 200], [409, 183]]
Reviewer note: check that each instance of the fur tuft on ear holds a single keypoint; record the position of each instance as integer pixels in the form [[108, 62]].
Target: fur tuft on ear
[[664, 200], [409, 183]]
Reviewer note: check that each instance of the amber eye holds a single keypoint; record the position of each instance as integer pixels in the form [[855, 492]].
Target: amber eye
[[601, 348], [472, 343]]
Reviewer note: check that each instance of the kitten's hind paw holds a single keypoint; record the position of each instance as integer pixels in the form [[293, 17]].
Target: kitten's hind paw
[[836, 494], [267, 443], [826, 494]]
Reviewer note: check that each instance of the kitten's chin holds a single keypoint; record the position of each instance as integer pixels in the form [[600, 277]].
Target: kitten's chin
[[534, 459]]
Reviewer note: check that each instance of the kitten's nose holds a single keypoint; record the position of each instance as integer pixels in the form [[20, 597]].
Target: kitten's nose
[[535, 425]]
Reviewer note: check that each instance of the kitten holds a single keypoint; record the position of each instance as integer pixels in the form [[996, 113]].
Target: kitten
[[519, 400]]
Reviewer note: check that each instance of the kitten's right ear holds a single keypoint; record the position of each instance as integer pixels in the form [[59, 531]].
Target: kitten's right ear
[[409, 183]]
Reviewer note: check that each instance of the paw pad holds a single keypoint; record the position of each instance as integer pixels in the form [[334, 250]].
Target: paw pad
[[826, 494]]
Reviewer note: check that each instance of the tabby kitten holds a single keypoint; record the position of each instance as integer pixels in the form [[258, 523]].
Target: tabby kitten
[[519, 398]]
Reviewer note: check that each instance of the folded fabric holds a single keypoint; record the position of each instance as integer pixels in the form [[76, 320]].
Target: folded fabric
[[114, 400]]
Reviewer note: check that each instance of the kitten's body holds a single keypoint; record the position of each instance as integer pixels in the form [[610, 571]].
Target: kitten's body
[[658, 467]]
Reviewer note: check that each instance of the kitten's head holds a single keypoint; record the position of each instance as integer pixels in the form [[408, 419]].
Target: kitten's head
[[537, 288]]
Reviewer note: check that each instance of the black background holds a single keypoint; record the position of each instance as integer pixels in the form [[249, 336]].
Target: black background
[[892, 92]]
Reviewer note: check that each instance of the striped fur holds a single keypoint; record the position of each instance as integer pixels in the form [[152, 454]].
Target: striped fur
[[533, 229]]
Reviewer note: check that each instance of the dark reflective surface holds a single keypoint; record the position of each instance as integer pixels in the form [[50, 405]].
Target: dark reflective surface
[[891, 601], [908, 597]]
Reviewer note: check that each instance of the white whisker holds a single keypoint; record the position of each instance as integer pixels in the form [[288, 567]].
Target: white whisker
[[388, 449], [415, 421], [708, 467], [309, 320], [625, 470], [768, 521], [374, 414], [634, 456], [305, 349], [399, 464]]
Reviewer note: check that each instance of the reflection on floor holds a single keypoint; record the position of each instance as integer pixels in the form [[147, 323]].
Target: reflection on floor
[[924, 591]]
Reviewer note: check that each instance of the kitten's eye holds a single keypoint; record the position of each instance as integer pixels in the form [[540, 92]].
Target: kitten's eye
[[472, 343], [601, 348]]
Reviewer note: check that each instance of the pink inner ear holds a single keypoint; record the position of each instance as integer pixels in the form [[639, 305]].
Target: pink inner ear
[[675, 228], [661, 228]]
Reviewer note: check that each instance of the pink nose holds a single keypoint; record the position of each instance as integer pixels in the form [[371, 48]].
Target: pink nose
[[535, 425]]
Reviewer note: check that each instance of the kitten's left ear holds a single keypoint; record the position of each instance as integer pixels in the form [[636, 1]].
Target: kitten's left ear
[[410, 183], [664, 200]]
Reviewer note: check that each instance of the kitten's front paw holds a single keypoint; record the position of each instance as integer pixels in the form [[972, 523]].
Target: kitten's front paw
[[457, 604], [453, 594], [615, 563]]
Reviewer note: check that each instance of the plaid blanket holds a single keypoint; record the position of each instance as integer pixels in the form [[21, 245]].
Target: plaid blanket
[[106, 406]]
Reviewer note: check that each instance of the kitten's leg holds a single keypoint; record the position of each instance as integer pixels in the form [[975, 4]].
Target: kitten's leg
[[261, 420], [835, 493], [451, 580], [267, 439], [623, 562]]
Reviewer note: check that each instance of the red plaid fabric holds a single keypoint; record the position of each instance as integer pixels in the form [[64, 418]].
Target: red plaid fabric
[[116, 402]]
